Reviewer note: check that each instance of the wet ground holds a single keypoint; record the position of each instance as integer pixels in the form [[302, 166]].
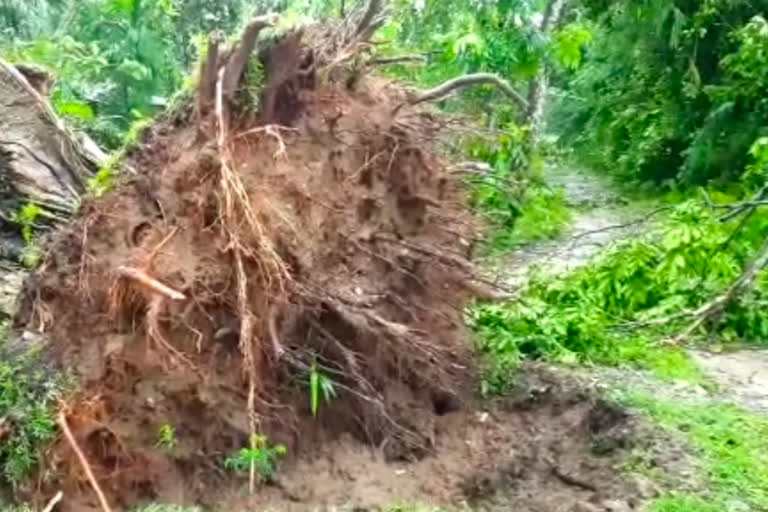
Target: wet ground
[[601, 218]]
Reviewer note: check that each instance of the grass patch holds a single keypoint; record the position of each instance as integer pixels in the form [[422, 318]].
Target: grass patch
[[731, 444], [543, 215], [27, 397]]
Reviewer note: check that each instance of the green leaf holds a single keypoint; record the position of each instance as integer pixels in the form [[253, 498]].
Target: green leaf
[[82, 111], [314, 389]]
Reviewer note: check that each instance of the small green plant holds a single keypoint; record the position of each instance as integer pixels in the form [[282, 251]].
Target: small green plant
[[254, 83], [543, 215], [319, 384], [259, 457], [104, 179], [27, 395], [27, 216], [166, 437]]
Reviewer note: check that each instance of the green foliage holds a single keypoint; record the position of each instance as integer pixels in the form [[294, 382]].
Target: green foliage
[[543, 215], [27, 394], [569, 44], [732, 447], [319, 384], [260, 455], [116, 61], [580, 316], [669, 90], [103, 180], [26, 218]]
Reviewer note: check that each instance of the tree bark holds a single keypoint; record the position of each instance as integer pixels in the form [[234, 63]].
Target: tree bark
[[41, 162], [537, 92], [442, 90]]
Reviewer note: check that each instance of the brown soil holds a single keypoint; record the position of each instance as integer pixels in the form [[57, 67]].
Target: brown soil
[[343, 251], [551, 447]]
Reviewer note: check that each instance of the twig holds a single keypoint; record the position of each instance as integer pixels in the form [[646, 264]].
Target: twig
[[277, 347], [62, 420], [150, 282], [382, 61], [478, 168], [461, 82], [54, 501], [759, 199], [163, 243], [633, 222]]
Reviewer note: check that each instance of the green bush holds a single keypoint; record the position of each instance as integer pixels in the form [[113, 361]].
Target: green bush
[[669, 90], [580, 316], [27, 395]]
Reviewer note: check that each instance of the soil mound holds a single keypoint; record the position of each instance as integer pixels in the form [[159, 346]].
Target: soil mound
[[256, 250]]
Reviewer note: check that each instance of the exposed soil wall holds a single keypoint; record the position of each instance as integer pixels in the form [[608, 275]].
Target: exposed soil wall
[[321, 231]]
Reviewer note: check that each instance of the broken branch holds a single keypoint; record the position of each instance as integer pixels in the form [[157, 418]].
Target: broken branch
[[442, 90], [150, 282], [718, 305]]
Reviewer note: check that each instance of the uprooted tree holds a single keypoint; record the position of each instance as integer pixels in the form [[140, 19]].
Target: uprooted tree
[[41, 164], [319, 233]]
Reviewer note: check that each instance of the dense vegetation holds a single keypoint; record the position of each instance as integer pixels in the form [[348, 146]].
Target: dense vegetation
[[670, 94], [670, 90]]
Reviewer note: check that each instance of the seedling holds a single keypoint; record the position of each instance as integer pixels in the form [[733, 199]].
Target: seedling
[[319, 383], [258, 458], [166, 437]]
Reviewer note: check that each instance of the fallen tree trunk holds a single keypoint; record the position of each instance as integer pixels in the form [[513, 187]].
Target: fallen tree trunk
[[41, 163]]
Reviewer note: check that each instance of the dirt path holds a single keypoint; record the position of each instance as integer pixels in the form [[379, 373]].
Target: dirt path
[[600, 218]]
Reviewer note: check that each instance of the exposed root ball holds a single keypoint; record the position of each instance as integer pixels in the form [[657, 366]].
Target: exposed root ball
[[202, 293]]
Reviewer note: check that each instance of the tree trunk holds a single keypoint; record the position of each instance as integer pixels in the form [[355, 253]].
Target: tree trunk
[[41, 162], [537, 92]]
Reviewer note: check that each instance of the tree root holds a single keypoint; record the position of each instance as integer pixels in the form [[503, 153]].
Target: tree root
[[62, 420]]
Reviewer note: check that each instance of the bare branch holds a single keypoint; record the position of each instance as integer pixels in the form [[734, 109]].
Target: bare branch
[[397, 59], [442, 90]]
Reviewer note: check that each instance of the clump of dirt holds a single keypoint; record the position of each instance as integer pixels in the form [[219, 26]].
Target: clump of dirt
[[251, 249], [551, 447]]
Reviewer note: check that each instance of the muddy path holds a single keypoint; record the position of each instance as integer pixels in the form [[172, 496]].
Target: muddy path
[[601, 217]]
